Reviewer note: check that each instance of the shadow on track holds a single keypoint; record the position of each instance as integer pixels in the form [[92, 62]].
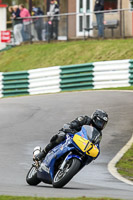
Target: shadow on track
[[64, 188]]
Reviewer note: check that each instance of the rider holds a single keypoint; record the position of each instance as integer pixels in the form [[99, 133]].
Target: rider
[[98, 119]]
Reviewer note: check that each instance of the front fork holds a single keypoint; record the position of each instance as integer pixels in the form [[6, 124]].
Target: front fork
[[64, 162], [68, 157]]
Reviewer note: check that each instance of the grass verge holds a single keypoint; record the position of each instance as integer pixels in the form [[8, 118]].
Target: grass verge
[[121, 88], [125, 165], [41, 198]]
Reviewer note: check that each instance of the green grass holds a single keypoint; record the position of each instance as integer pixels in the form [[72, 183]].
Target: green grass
[[125, 165], [41, 198], [40, 55], [119, 88]]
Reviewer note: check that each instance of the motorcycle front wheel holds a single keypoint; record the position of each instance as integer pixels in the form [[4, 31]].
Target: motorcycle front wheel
[[62, 177], [31, 177]]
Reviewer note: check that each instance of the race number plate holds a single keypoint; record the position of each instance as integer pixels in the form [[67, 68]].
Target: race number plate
[[86, 146]]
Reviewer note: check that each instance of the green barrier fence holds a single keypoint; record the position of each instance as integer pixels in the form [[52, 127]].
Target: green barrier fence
[[75, 77], [15, 83], [131, 72], [67, 78]]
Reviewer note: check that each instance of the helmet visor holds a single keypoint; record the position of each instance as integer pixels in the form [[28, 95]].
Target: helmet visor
[[100, 123]]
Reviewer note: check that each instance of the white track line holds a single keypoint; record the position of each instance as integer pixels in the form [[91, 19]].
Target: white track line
[[111, 165]]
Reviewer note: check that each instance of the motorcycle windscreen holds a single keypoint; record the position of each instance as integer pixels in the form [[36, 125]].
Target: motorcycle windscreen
[[92, 133]]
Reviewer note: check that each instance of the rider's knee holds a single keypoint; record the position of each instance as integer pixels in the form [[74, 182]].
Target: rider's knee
[[53, 139], [48, 147], [61, 137]]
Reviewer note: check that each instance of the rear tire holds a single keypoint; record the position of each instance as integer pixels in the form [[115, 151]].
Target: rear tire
[[31, 177], [61, 178]]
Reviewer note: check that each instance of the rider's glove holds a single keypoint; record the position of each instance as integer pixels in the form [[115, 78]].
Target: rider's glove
[[66, 128]]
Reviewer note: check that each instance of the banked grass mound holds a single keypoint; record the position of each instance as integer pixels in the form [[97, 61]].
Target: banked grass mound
[[32, 56]]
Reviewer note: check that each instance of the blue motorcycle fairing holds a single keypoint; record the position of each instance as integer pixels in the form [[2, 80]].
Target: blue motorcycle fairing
[[44, 175], [73, 156], [46, 170]]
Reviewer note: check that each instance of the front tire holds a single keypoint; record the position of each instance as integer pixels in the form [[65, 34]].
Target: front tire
[[31, 177], [61, 178]]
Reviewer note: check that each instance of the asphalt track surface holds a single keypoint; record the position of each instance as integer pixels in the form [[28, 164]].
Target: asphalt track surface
[[26, 122]]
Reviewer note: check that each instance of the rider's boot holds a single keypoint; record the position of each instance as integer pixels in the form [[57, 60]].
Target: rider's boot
[[55, 140], [40, 156]]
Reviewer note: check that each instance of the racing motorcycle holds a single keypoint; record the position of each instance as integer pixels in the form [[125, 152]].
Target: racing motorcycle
[[66, 159]]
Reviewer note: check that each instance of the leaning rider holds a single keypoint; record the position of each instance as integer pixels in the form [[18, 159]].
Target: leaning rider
[[98, 119]]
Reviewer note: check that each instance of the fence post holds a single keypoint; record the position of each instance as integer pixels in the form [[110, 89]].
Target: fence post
[[123, 24], [84, 24], [67, 26], [30, 33]]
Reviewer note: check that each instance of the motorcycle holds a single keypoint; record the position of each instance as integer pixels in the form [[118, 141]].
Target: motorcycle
[[66, 159]]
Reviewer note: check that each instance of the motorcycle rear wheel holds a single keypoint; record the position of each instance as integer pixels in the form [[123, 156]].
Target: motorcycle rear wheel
[[61, 178], [31, 177]]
